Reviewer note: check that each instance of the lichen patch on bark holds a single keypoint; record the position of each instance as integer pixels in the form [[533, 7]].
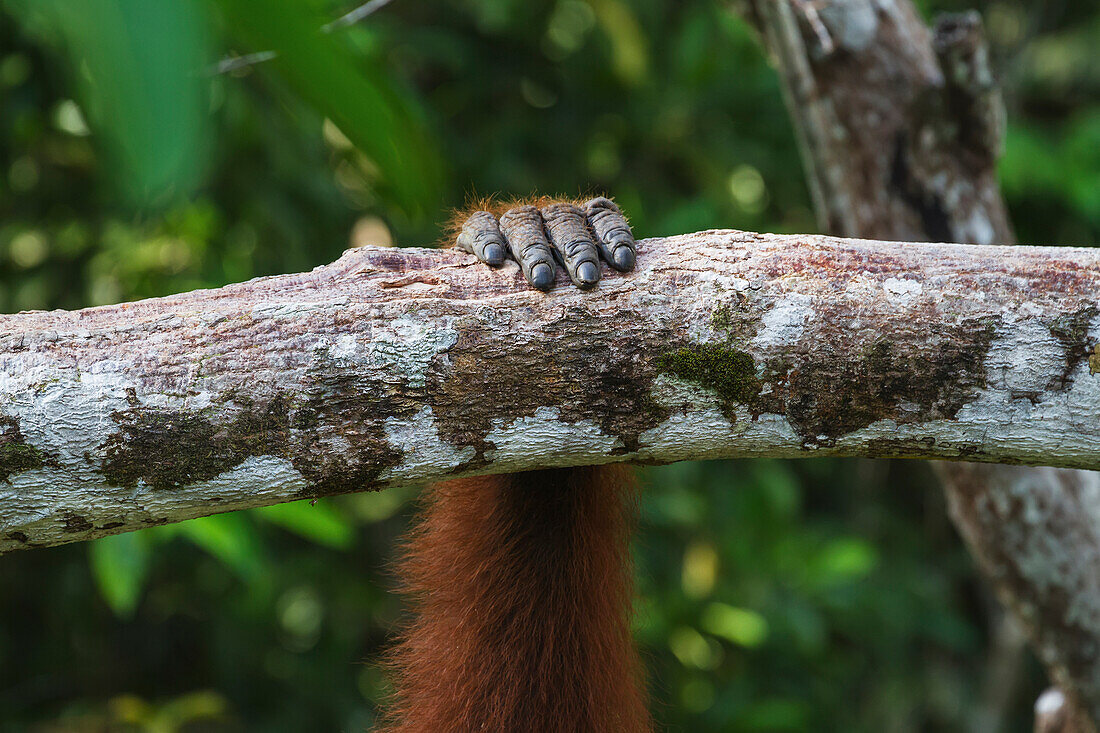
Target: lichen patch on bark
[[826, 380], [418, 441], [479, 389], [1072, 332], [169, 449], [409, 347], [555, 441], [841, 387], [16, 454], [729, 372]]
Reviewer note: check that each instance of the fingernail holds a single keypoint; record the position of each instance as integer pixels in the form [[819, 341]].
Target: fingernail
[[542, 276], [623, 258], [587, 274], [493, 254]]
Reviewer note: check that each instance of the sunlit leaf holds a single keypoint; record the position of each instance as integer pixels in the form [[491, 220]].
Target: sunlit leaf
[[120, 564], [229, 537], [354, 93], [318, 522], [200, 705], [629, 49], [137, 66], [693, 649], [700, 569], [378, 506], [739, 625], [847, 558]]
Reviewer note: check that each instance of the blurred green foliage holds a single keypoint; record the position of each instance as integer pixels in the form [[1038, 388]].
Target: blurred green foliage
[[817, 595]]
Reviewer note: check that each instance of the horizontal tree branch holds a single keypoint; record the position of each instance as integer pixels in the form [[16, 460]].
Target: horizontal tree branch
[[392, 366]]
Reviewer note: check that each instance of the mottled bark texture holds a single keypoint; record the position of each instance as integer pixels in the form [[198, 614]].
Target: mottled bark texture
[[900, 126], [391, 366], [1037, 535], [900, 129]]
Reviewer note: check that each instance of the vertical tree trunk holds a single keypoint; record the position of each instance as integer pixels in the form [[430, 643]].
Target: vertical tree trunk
[[900, 129]]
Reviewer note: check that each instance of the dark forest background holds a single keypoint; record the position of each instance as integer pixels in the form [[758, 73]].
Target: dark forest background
[[775, 596]]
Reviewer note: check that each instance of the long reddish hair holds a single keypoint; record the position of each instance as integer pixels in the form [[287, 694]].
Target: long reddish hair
[[523, 590]]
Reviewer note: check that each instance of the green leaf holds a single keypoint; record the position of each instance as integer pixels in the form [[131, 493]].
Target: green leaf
[[846, 559], [353, 92], [739, 625], [231, 538], [319, 522], [120, 564], [137, 66], [378, 506], [629, 48]]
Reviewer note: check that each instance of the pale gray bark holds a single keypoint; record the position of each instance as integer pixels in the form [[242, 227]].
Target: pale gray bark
[[391, 366], [900, 129], [1037, 535]]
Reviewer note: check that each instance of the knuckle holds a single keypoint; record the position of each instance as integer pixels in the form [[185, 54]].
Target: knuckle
[[569, 231], [481, 219], [600, 203]]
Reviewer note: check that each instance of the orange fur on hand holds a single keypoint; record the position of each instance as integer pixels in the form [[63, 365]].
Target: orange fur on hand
[[523, 588], [497, 207]]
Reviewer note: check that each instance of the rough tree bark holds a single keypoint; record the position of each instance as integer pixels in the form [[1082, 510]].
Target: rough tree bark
[[392, 366], [900, 129], [1045, 564]]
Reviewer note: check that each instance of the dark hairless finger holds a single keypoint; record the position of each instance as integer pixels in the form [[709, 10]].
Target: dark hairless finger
[[481, 236], [526, 237], [573, 242], [613, 235]]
